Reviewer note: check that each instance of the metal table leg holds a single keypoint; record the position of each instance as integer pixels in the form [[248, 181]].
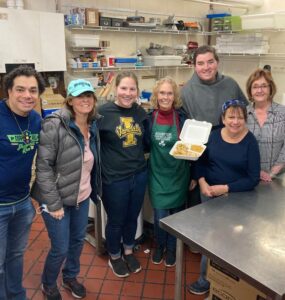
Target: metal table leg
[[178, 269]]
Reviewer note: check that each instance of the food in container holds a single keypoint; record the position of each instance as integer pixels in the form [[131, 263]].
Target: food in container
[[184, 149], [194, 135]]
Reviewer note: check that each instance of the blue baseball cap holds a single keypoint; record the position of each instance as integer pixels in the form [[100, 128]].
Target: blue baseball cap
[[79, 86]]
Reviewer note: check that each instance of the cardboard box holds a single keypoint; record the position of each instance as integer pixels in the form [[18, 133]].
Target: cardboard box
[[92, 17], [38, 107], [227, 286], [52, 101], [48, 91]]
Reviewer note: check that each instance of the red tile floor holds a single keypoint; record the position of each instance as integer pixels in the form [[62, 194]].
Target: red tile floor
[[152, 283]]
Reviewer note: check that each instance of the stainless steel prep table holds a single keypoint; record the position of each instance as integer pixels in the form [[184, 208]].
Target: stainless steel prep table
[[244, 232]]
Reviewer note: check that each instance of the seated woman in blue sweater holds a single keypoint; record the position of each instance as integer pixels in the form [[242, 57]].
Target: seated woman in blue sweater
[[231, 163]]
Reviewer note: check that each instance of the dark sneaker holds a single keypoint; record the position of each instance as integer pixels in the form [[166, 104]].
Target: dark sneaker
[[51, 293], [132, 263], [77, 289], [198, 289], [170, 258], [157, 256], [119, 267]]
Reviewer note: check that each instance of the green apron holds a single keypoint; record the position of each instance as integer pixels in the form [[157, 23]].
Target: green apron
[[168, 176]]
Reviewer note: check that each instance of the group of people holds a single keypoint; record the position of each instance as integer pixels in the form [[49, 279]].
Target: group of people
[[85, 153]]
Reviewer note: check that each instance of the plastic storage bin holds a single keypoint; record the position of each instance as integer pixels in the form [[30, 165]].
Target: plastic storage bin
[[84, 40], [264, 21], [162, 60], [194, 135], [126, 60], [46, 112]]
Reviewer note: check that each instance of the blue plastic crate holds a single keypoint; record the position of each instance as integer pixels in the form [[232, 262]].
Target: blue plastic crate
[[212, 16], [128, 60], [146, 95], [46, 112]]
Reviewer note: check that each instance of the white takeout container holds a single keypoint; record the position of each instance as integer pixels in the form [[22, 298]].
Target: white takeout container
[[193, 133]]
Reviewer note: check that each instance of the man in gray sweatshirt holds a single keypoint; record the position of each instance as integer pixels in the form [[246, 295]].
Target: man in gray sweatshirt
[[204, 94], [203, 97]]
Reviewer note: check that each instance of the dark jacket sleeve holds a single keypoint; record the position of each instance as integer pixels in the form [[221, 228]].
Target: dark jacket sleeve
[[182, 117], [147, 134]]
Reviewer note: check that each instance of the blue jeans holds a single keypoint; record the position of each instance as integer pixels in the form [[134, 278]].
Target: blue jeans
[[163, 238], [203, 282], [67, 239], [15, 224], [123, 201]]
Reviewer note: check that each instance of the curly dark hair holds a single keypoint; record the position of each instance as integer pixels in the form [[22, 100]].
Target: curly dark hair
[[23, 70]]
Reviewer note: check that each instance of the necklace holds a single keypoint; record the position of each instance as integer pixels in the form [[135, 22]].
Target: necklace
[[25, 133]]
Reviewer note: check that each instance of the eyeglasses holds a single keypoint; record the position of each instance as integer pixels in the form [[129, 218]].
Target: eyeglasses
[[262, 87]]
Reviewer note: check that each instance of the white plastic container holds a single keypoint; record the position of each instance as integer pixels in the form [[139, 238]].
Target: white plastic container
[[162, 60], [84, 40], [193, 133], [264, 21]]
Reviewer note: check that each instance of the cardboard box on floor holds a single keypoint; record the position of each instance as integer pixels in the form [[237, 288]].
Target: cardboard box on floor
[[227, 286], [38, 107], [50, 100]]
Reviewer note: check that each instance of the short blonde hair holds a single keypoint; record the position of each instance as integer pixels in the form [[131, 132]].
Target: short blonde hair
[[257, 74], [177, 103]]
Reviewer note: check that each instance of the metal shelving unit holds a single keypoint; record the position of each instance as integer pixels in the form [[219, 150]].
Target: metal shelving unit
[[136, 30], [86, 49], [82, 29], [254, 55], [135, 68]]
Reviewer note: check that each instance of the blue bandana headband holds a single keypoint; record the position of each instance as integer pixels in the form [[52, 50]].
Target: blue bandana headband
[[233, 102]]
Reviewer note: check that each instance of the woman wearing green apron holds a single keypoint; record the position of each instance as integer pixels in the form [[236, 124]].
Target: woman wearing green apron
[[168, 177]]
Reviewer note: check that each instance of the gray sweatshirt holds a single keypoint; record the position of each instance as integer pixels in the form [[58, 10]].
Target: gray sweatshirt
[[203, 101]]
